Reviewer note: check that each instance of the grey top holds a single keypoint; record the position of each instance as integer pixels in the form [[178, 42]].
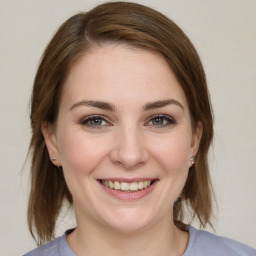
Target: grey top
[[201, 243]]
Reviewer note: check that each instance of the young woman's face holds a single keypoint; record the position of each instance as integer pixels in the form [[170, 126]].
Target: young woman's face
[[123, 137]]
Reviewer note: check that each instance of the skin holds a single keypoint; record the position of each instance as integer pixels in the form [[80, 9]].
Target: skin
[[125, 142]]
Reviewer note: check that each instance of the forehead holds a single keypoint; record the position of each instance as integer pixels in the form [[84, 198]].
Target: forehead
[[120, 72]]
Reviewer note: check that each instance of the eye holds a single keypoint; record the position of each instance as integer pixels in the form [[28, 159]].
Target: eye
[[161, 120], [95, 121]]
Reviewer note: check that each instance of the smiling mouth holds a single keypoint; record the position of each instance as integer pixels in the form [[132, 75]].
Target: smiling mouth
[[126, 186]]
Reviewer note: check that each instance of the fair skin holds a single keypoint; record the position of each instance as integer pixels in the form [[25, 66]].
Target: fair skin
[[123, 121]]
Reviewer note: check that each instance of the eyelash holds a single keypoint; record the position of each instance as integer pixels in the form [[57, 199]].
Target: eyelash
[[85, 121], [167, 121]]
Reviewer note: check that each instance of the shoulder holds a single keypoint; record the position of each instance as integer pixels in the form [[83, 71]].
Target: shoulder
[[57, 247], [207, 244], [49, 249]]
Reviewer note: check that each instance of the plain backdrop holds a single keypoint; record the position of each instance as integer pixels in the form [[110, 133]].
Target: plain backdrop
[[223, 31]]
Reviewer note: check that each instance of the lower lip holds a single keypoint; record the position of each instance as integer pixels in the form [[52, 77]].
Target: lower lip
[[128, 196]]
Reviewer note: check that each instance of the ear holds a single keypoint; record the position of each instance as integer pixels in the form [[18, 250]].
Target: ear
[[50, 141], [196, 138]]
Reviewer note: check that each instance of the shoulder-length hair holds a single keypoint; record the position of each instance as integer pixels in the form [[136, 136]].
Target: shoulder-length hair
[[139, 27]]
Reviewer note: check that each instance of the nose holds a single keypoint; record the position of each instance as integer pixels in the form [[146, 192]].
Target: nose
[[129, 149]]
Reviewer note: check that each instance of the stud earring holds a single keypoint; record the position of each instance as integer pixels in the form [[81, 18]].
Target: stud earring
[[53, 159], [192, 159]]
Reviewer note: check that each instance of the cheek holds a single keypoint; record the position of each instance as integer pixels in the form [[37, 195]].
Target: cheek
[[80, 154], [173, 153]]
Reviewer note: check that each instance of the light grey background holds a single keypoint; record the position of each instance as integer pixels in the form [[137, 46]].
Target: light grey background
[[223, 31]]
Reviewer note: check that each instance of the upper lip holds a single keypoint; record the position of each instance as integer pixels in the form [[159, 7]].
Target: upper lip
[[129, 180]]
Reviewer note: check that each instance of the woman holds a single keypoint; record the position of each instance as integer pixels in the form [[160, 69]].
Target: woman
[[122, 124]]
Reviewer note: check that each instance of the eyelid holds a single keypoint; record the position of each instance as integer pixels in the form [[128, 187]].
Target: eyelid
[[90, 117], [170, 119], [85, 120]]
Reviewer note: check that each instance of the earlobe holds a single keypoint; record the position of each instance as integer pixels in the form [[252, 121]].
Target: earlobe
[[196, 138], [51, 144], [192, 160]]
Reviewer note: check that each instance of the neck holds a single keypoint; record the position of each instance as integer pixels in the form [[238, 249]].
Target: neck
[[162, 239]]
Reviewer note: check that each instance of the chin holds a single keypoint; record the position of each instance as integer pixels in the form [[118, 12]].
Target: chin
[[129, 220]]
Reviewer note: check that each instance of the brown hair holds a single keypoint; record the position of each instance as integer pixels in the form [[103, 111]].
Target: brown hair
[[139, 27]]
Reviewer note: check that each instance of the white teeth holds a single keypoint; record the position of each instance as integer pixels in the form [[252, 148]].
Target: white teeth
[[125, 186], [110, 183], [141, 185], [117, 185], [134, 186]]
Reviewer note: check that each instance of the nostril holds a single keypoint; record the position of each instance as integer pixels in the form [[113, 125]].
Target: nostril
[[128, 150], [129, 159]]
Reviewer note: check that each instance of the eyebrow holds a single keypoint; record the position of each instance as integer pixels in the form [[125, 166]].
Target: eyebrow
[[110, 107], [96, 104], [162, 103]]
